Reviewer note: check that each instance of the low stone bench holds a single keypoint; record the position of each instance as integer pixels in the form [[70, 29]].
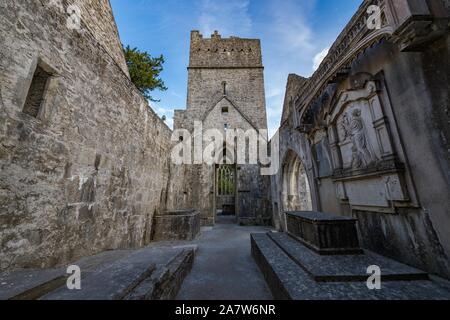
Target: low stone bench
[[324, 233], [176, 225]]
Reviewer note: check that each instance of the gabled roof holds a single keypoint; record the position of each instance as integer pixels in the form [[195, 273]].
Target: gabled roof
[[234, 106]]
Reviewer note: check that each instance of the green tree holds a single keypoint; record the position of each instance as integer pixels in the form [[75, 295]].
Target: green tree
[[145, 71]]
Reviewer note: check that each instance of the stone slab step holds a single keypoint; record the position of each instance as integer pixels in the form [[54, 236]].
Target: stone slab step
[[288, 281], [31, 284], [166, 281], [342, 268], [117, 280]]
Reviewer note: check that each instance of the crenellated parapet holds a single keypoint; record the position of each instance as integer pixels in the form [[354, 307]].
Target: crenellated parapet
[[218, 52]]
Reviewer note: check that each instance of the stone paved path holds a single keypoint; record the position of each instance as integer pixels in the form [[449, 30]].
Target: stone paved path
[[224, 268]]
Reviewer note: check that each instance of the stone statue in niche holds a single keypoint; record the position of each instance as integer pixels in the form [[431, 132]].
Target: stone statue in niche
[[354, 129]]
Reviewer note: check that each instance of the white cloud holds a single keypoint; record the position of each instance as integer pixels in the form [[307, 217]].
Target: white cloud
[[169, 122], [175, 94], [291, 25], [164, 111], [273, 92], [288, 47], [229, 17], [318, 58]]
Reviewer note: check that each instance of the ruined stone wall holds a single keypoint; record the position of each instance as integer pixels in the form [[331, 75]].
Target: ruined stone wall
[[91, 170], [98, 18], [294, 83]]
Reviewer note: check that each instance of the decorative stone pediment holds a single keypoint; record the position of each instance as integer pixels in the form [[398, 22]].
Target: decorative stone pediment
[[349, 97], [214, 113]]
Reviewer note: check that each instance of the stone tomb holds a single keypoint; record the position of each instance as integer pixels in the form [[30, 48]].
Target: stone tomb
[[183, 225], [320, 259], [324, 233]]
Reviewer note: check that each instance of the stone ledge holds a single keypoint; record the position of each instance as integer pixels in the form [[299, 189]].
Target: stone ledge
[[379, 169], [319, 217], [344, 268]]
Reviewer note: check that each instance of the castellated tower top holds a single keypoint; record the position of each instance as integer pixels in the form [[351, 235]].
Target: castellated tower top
[[218, 52]]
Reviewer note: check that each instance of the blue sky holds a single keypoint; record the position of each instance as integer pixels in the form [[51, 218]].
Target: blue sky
[[294, 35]]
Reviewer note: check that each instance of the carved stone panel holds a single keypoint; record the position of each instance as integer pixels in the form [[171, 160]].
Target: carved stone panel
[[368, 174], [362, 130], [357, 136]]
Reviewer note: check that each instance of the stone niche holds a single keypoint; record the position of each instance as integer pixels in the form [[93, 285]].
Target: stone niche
[[176, 225], [366, 171]]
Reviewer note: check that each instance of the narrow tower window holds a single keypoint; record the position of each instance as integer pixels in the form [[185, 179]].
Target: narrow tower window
[[225, 110], [224, 88], [36, 92]]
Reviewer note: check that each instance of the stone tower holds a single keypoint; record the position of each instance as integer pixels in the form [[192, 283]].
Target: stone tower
[[226, 91]]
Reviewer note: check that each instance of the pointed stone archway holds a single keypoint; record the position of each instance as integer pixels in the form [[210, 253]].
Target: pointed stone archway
[[296, 191], [226, 190]]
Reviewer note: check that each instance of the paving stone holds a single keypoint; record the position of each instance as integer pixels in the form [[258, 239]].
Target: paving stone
[[223, 267]]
